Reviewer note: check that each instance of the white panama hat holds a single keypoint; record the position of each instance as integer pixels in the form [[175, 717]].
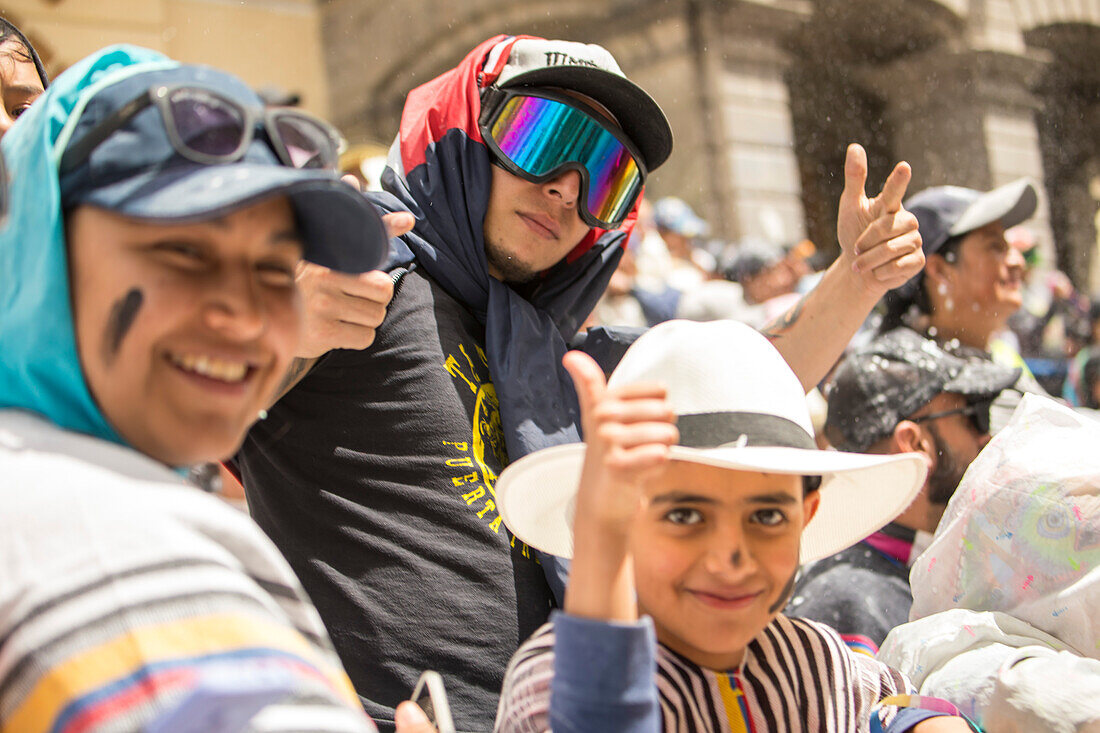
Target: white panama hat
[[740, 407]]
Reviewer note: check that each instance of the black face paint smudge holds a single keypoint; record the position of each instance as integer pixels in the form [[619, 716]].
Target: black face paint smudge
[[119, 322], [785, 595]]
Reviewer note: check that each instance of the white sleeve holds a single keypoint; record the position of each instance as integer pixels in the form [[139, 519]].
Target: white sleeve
[[1033, 688]]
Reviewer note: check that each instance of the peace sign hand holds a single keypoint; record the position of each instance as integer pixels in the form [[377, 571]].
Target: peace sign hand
[[878, 237]]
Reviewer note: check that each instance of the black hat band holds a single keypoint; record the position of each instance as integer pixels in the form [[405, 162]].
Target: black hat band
[[715, 429]]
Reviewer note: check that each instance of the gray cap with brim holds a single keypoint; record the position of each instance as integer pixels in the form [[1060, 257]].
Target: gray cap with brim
[[1010, 204], [944, 212]]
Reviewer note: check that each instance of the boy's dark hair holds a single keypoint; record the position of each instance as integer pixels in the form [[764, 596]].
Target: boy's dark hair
[[810, 484], [949, 250]]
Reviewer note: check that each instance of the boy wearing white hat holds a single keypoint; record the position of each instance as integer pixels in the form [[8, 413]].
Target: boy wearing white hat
[[699, 491]]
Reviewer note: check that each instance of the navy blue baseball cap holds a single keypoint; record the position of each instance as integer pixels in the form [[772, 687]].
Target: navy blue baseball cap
[[944, 212], [136, 171]]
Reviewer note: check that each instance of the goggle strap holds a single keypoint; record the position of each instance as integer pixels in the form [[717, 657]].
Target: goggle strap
[[490, 101]]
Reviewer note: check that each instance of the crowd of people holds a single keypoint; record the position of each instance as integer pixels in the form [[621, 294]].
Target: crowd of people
[[672, 269], [507, 421]]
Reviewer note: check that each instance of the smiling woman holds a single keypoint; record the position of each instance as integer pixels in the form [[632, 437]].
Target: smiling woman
[[971, 282], [149, 311]]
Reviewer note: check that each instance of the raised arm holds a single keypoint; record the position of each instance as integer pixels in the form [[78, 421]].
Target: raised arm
[[880, 250], [597, 672], [604, 677], [627, 433]]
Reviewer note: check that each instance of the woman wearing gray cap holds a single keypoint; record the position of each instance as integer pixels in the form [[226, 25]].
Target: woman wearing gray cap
[[972, 280]]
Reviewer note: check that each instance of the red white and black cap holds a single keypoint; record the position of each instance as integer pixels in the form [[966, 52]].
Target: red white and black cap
[[591, 70]]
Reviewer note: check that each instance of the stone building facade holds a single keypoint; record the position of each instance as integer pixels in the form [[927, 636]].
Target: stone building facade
[[268, 43], [764, 95]]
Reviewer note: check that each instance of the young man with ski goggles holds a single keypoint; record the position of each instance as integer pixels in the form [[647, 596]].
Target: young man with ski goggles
[[523, 167], [507, 259]]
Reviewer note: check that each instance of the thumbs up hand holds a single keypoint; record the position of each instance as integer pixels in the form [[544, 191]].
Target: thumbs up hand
[[627, 431]]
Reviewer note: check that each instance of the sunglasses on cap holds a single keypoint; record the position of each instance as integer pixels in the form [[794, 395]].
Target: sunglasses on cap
[[209, 128], [538, 134], [978, 412]]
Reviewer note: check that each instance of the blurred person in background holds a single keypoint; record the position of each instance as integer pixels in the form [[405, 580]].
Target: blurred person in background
[[799, 260], [149, 312], [681, 228], [650, 251], [1076, 391], [899, 394], [1026, 325], [768, 276], [1084, 392], [726, 297], [637, 295], [1051, 325], [626, 303], [1004, 620], [1088, 391], [1072, 339], [759, 267], [22, 76], [719, 299], [758, 284]]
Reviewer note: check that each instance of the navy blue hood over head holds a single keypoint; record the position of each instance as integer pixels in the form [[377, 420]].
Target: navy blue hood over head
[[440, 170]]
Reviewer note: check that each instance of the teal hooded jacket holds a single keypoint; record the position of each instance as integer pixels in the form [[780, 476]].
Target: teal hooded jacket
[[39, 365]]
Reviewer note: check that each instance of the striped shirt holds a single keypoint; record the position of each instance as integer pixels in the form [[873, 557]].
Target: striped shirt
[[127, 597], [797, 677]]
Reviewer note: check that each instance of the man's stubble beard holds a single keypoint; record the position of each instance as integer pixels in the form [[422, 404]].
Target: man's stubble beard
[[948, 473], [508, 268]]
